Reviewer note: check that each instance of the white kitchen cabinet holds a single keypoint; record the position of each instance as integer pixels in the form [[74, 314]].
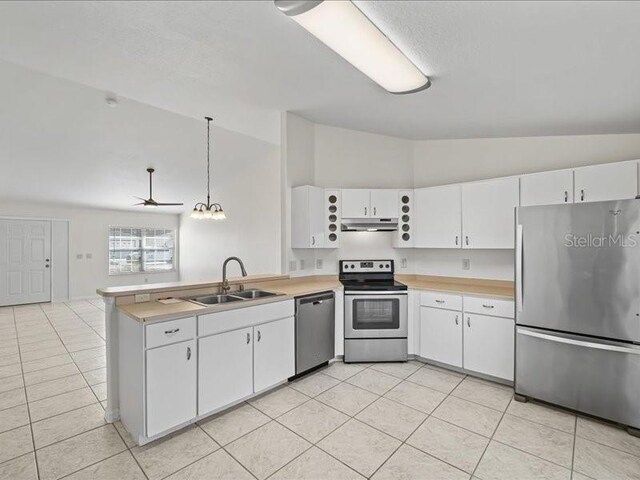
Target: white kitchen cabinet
[[365, 203], [489, 345], [307, 217], [441, 335], [356, 203], [612, 181], [438, 217], [273, 353], [171, 386], [384, 204], [547, 188], [488, 213], [225, 369]]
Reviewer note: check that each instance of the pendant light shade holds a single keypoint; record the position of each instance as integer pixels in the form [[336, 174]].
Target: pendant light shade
[[208, 210]]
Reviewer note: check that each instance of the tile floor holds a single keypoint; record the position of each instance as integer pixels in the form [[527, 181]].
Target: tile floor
[[380, 421]]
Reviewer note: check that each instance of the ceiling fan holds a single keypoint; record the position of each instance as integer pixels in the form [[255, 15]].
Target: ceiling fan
[[150, 202]]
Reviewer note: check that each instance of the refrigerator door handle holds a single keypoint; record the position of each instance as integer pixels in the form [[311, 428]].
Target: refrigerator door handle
[[519, 260], [580, 343]]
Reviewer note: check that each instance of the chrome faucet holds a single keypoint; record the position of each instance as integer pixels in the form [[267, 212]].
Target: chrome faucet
[[225, 282]]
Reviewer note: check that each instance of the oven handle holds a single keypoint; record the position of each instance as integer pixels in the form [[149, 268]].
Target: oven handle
[[371, 292]]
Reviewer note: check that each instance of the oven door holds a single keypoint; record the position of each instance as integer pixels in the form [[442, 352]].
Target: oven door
[[375, 315]]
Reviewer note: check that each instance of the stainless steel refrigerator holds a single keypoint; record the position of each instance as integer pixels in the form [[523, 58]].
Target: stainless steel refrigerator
[[578, 307]]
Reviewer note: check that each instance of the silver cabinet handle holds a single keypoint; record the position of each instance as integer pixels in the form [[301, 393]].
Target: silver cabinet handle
[[582, 195], [456, 319], [456, 239], [466, 239], [171, 332], [566, 196], [374, 210], [188, 353], [365, 211], [248, 338], [313, 240], [488, 306], [469, 322], [439, 301], [259, 335]]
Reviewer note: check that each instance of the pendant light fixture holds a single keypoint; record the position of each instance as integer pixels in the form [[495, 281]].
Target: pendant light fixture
[[208, 210]]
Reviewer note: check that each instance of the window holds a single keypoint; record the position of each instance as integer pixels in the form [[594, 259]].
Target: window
[[141, 250]]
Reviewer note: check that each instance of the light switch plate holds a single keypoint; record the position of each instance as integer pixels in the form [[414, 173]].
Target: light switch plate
[[293, 265], [79, 256], [466, 264], [142, 297], [88, 256], [403, 263], [301, 264], [319, 263]]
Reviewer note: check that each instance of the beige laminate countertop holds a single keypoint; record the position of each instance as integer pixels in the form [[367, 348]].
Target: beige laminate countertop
[[469, 286], [289, 288]]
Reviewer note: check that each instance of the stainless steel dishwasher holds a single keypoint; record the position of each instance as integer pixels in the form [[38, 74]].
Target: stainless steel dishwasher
[[315, 330]]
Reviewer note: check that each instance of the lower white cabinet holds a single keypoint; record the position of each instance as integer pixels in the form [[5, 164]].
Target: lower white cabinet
[[171, 386], [234, 365], [273, 353], [441, 335], [225, 369], [489, 345]]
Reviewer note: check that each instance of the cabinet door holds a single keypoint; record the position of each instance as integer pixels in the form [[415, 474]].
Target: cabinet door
[[613, 181], [488, 213], [273, 353], [307, 217], [355, 203], [438, 217], [488, 345], [171, 386], [384, 204], [441, 335], [225, 369], [548, 188]]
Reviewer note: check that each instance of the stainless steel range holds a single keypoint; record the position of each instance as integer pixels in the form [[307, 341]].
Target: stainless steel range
[[375, 312]]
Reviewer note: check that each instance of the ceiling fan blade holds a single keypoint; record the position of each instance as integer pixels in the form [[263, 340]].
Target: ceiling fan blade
[[136, 204], [169, 204], [139, 198]]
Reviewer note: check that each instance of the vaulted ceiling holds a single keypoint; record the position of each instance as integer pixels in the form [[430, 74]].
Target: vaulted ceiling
[[498, 68]]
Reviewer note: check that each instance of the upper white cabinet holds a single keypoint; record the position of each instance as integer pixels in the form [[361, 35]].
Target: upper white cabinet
[[384, 203], [547, 188], [171, 386], [488, 213], [438, 222], [364, 203], [307, 217], [612, 181], [356, 203]]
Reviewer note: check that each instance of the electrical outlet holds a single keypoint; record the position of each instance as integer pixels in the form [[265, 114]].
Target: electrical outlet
[[88, 256], [403, 263], [142, 297], [466, 264], [319, 264], [293, 265], [301, 264], [79, 256]]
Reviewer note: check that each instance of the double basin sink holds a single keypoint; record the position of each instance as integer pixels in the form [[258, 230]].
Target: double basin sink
[[231, 297]]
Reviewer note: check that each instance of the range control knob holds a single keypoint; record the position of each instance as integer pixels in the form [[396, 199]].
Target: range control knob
[[381, 266], [387, 265]]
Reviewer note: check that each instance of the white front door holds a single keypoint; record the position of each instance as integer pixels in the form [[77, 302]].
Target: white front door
[[25, 262]]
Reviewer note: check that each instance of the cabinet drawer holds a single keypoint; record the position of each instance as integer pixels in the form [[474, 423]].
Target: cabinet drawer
[[498, 307], [172, 331], [441, 300], [219, 322]]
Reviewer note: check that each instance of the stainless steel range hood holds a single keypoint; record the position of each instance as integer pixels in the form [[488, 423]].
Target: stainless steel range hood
[[369, 224]]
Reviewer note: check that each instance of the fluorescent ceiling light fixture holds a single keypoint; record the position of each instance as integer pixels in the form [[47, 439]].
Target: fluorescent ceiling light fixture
[[341, 26]]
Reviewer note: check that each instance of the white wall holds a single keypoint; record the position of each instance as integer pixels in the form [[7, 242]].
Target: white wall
[[247, 178], [439, 162], [89, 233]]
